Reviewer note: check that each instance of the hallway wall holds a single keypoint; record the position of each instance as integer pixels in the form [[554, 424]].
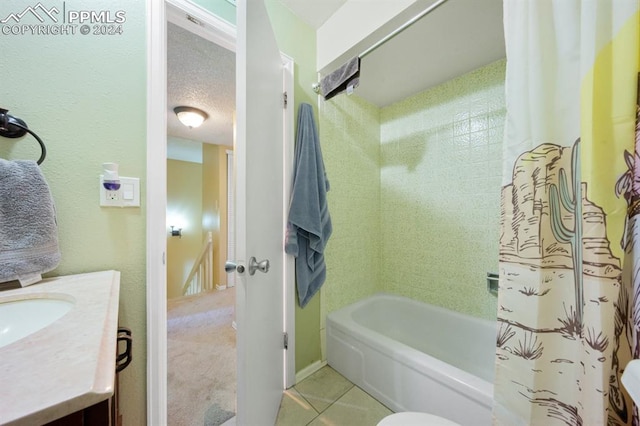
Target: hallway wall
[[184, 210], [214, 206]]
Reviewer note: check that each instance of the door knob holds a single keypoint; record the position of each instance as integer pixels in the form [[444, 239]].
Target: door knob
[[254, 265], [231, 266]]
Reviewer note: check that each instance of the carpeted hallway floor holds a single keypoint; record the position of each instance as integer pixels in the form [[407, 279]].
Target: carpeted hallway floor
[[201, 370]]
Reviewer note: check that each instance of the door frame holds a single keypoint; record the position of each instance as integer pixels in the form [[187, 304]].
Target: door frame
[[224, 34]]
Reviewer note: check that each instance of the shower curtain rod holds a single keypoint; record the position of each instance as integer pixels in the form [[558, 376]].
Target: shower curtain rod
[[410, 22], [403, 27]]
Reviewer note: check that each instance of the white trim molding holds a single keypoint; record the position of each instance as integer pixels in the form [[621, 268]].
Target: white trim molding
[[309, 370], [201, 22]]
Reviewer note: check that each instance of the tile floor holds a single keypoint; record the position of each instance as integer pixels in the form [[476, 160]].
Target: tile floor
[[327, 398]]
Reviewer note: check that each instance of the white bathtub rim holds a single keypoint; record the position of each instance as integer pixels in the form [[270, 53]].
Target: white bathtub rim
[[350, 308], [440, 371]]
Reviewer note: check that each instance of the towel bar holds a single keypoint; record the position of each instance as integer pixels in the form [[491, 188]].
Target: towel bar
[[13, 127]]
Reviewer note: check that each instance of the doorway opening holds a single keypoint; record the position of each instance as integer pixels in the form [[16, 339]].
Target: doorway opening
[[201, 338], [159, 14]]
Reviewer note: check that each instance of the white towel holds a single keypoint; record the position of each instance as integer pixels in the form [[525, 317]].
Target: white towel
[[28, 228]]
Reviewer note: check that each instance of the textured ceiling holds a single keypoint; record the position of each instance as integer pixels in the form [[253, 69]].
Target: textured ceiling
[[200, 74]]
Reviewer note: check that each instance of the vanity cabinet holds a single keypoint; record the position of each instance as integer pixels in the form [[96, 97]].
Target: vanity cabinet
[[65, 370], [104, 413], [101, 414]]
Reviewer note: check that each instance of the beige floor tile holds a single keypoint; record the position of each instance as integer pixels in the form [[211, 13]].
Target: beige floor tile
[[294, 410], [355, 408], [323, 387]]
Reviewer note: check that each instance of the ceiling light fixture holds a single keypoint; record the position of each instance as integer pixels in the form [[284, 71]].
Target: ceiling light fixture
[[190, 117]]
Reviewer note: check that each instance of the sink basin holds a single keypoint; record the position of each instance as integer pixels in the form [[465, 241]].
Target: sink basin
[[69, 364], [22, 317]]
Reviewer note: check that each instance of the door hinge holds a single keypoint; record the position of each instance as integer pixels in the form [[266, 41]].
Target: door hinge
[[285, 99], [286, 340]]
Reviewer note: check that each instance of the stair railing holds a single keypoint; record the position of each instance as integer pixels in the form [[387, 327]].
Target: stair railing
[[201, 276]]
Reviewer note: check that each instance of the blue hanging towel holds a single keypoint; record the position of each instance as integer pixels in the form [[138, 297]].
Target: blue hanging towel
[[309, 225]]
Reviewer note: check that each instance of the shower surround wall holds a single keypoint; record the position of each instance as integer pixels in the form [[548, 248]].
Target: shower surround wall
[[350, 137], [440, 176], [415, 193]]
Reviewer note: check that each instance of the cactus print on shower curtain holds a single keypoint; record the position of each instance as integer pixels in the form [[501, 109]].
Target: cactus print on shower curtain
[[568, 309]]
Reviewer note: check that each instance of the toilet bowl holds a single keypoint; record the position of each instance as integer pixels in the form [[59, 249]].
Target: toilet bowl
[[415, 419]]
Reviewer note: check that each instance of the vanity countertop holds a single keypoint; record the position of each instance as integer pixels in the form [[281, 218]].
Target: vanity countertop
[[69, 364]]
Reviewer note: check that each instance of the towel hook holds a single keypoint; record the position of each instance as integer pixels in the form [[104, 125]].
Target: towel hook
[[13, 127]]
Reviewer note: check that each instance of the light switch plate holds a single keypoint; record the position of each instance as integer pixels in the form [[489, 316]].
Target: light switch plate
[[127, 196]]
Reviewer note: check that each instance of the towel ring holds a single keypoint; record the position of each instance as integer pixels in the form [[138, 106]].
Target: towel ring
[[13, 127]]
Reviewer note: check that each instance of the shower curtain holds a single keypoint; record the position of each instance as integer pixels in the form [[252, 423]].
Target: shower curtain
[[569, 298]]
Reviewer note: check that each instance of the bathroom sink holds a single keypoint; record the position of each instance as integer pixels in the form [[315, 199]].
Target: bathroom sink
[[22, 317], [71, 359]]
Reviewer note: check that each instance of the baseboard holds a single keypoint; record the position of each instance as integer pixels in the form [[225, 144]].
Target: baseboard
[[309, 370]]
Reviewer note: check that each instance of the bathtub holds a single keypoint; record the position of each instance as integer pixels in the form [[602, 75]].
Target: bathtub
[[412, 356]]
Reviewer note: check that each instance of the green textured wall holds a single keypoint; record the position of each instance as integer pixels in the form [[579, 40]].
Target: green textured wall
[[415, 193], [350, 135], [297, 40], [85, 96], [441, 153]]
